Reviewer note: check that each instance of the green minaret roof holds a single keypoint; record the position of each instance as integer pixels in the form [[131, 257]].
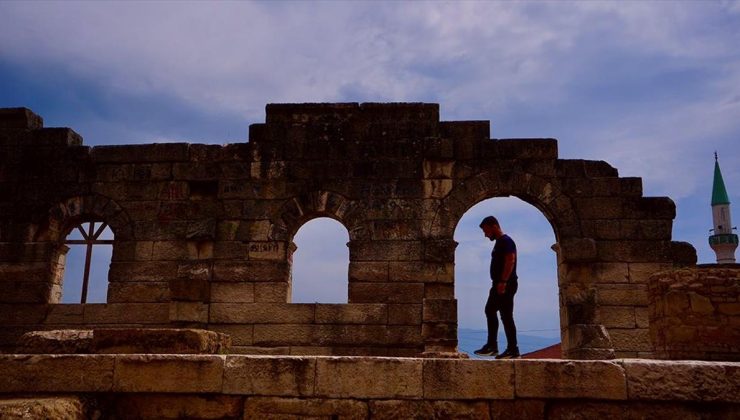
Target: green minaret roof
[[719, 192]]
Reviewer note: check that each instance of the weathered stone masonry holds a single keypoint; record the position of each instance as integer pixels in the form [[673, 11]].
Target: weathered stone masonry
[[204, 232]]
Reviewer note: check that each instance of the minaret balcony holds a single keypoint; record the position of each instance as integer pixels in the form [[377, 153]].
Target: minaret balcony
[[723, 238]]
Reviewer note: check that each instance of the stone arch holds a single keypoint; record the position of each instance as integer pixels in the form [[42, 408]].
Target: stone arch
[[582, 336], [298, 210], [543, 194], [63, 216]]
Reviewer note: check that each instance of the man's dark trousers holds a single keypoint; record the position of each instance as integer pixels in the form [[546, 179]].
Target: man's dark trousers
[[503, 304]]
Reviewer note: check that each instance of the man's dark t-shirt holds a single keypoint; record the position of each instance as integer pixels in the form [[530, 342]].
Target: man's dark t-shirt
[[504, 245]]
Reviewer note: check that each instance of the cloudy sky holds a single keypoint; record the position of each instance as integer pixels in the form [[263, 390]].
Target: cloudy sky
[[651, 87]]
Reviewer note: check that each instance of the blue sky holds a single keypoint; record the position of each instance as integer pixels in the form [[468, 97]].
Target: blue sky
[[651, 87]]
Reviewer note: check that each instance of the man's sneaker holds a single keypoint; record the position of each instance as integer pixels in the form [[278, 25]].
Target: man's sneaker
[[509, 353], [487, 350]]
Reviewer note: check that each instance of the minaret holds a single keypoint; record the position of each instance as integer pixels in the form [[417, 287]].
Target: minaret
[[723, 242]]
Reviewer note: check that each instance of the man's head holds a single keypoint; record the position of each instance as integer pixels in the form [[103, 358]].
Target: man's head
[[491, 228]]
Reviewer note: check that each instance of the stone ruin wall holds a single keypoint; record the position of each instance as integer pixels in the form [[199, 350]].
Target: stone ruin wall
[[695, 313], [203, 233]]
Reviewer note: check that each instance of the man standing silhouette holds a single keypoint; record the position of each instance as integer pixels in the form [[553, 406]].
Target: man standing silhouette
[[501, 296]]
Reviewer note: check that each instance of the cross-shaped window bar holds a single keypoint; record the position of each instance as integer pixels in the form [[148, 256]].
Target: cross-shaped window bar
[[89, 238]]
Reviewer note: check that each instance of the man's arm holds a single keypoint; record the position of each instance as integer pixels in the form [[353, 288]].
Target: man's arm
[[509, 260]]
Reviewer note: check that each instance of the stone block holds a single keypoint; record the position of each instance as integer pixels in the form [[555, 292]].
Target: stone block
[[600, 207], [438, 168], [124, 251], [201, 249], [353, 335], [242, 292], [616, 316], [386, 292], [641, 272], [262, 313], [194, 271], [269, 376], [409, 409], [439, 310], [55, 342], [578, 249], [522, 409], [273, 408], [682, 380], [256, 271], [437, 188], [404, 335], [27, 292], [163, 406], [730, 308], [632, 339], [683, 254], [20, 119], [356, 313], [439, 331], [622, 294], [267, 250], [586, 336], [53, 136], [703, 305], [158, 152], [55, 373], [527, 148], [468, 379], [168, 373], [22, 314], [404, 314], [229, 250], [439, 291], [385, 250], [634, 251], [275, 292], [368, 271], [68, 408], [440, 256], [25, 272], [642, 317], [139, 292], [158, 340], [241, 335], [261, 351], [189, 290], [588, 410], [126, 313], [418, 271], [142, 271], [271, 335], [570, 379], [65, 314], [368, 378], [170, 250]]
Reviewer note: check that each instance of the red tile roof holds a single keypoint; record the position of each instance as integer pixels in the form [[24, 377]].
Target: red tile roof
[[552, 352]]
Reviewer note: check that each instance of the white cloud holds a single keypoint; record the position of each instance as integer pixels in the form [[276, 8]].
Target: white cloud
[[577, 68]]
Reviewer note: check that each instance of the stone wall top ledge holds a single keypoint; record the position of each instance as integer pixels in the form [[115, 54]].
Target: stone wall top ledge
[[682, 380], [374, 377]]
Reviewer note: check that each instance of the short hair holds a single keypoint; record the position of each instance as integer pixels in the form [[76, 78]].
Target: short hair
[[489, 220]]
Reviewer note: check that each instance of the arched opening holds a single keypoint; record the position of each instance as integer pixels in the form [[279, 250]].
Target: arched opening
[[320, 266], [89, 249], [536, 308]]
